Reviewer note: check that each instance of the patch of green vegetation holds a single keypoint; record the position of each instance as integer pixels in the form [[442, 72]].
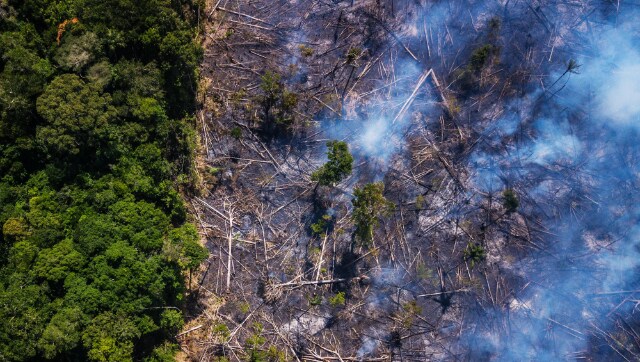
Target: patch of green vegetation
[[353, 54], [221, 330], [369, 205], [337, 300], [321, 226], [410, 310], [254, 343], [244, 307], [278, 103], [423, 272], [314, 300], [236, 132], [338, 167], [237, 97], [474, 253], [480, 56], [510, 202], [255, 350]]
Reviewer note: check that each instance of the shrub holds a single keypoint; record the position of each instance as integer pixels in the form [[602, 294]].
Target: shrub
[[321, 226], [337, 300], [236, 132], [314, 300], [305, 50], [474, 253], [353, 54]]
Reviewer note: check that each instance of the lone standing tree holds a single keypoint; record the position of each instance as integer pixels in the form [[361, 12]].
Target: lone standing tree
[[369, 204], [337, 168], [511, 202]]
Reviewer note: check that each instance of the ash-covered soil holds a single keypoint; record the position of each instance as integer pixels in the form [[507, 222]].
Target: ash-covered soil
[[458, 108]]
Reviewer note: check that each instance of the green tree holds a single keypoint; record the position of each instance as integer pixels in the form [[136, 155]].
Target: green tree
[[183, 248], [510, 202], [338, 299], [54, 264], [278, 103], [77, 116], [337, 168], [22, 256], [369, 205], [480, 56], [24, 309], [109, 337], [164, 353], [171, 320], [23, 78], [63, 333], [474, 253]]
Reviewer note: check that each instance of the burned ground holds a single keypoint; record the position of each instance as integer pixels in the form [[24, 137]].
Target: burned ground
[[449, 104]]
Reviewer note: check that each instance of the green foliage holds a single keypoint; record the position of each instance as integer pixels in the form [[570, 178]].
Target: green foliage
[[64, 332], [163, 353], [23, 77], [480, 56], [77, 116], [467, 77], [236, 132], [54, 264], [244, 307], [275, 355], [353, 54], [369, 205], [337, 300], [510, 201], [184, 248], [474, 253], [94, 133], [337, 168], [24, 311], [254, 348], [410, 310], [321, 226], [109, 336], [171, 320], [15, 229], [278, 103], [222, 331], [315, 299], [423, 272]]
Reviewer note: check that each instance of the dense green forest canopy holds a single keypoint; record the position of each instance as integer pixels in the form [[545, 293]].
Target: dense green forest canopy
[[96, 140]]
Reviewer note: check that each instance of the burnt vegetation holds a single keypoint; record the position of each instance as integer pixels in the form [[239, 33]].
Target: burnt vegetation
[[437, 221]]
